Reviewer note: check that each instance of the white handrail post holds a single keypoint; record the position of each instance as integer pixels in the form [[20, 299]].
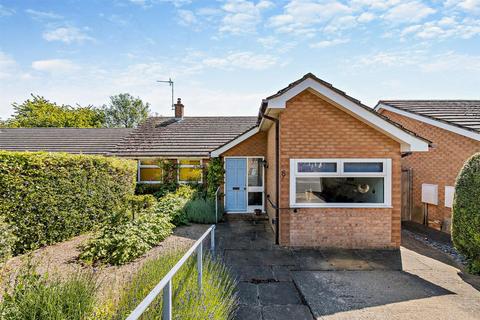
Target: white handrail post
[[212, 242], [167, 301], [200, 265]]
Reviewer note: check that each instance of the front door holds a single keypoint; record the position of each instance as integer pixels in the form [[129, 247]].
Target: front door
[[236, 184]]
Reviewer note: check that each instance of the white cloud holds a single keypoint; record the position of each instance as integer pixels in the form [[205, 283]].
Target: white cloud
[[390, 59], [300, 17], [43, 15], [4, 11], [366, 17], [186, 18], [452, 61], [329, 43], [54, 66], [7, 65], [374, 4], [446, 27], [242, 16], [410, 11], [268, 42], [467, 5], [242, 60], [67, 35]]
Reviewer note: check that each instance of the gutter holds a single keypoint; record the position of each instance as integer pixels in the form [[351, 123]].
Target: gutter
[[277, 174]]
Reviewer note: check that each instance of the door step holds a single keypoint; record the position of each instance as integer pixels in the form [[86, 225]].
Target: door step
[[246, 217]]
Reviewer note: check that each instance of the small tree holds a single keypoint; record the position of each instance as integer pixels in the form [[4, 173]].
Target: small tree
[[466, 213], [39, 112], [126, 111]]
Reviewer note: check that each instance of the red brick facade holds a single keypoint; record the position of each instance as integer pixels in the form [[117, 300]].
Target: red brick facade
[[313, 128], [439, 166]]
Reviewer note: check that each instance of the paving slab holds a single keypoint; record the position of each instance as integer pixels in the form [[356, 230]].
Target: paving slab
[[278, 293], [247, 312], [248, 293], [288, 312]]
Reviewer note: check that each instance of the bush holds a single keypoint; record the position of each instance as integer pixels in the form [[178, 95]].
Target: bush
[[50, 197], [201, 210], [7, 241], [217, 300], [173, 204], [123, 242], [36, 297], [466, 213], [158, 190], [139, 203]]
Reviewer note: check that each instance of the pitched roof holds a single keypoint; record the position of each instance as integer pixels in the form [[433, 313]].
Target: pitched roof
[[310, 81], [73, 140], [464, 114], [188, 137]]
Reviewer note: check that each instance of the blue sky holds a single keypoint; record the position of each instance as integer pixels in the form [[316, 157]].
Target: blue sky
[[225, 56]]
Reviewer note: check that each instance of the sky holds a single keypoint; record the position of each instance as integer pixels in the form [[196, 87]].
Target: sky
[[225, 56]]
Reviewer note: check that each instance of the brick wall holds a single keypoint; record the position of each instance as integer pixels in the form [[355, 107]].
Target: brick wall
[[440, 166], [313, 128], [256, 145]]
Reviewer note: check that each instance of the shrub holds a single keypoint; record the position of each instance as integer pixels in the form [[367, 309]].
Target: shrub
[[173, 204], [466, 213], [217, 300], [50, 197], [201, 210], [123, 242], [36, 297], [158, 190], [139, 203], [7, 240]]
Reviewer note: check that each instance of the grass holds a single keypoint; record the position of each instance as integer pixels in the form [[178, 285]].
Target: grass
[[216, 300], [36, 297], [201, 210]]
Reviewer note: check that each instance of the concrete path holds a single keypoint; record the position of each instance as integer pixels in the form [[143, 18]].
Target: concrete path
[[415, 282]]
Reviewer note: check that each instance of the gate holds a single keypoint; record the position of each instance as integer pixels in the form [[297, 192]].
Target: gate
[[407, 194]]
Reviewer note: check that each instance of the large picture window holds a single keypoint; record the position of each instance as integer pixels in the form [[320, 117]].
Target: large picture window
[[340, 182], [189, 170], [149, 171]]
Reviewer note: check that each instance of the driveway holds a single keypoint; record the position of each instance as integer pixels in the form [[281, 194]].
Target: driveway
[[415, 282]]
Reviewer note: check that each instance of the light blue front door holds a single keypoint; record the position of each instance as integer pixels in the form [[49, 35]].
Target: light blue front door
[[236, 184]]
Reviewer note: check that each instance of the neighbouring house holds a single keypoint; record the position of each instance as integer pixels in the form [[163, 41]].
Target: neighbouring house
[[453, 126], [323, 166]]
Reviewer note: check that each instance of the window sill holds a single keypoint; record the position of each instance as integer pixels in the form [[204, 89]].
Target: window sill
[[340, 205], [149, 182]]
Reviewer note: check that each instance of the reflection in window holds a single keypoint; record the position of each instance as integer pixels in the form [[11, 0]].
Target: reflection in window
[[363, 167], [149, 171], [189, 170], [255, 172], [317, 167], [255, 198], [339, 190]]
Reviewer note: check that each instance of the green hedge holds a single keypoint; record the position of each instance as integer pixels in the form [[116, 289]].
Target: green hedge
[[50, 197], [7, 240], [466, 213]]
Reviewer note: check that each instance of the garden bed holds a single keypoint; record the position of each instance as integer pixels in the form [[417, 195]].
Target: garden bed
[[62, 259]]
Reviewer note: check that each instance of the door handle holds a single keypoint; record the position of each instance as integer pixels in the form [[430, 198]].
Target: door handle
[[235, 188]]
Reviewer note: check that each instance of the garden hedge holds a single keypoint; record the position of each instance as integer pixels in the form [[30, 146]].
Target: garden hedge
[[466, 213], [50, 197]]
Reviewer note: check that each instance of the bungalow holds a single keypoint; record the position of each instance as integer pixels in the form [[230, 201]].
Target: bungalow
[[323, 166], [453, 126]]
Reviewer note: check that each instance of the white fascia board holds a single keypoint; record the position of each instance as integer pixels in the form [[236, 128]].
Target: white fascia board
[[216, 153], [435, 123], [408, 142]]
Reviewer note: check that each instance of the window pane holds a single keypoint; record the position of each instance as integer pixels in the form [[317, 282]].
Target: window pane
[[150, 174], [190, 174], [255, 172], [317, 167], [363, 167], [255, 198], [189, 162], [340, 190], [150, 162]]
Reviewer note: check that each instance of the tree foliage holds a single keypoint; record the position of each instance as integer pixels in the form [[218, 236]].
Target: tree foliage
[[126, 111], [40, 112], [466, 213]]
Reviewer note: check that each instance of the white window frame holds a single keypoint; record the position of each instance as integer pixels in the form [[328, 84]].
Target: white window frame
[[179, 166], [386, 174], [147, 166]]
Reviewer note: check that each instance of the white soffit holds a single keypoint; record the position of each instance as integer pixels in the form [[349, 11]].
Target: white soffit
[[435, 123], [407, 141], [244, 136]]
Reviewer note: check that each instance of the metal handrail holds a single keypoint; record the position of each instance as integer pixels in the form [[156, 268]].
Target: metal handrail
[[165, 284], [216, 204]]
